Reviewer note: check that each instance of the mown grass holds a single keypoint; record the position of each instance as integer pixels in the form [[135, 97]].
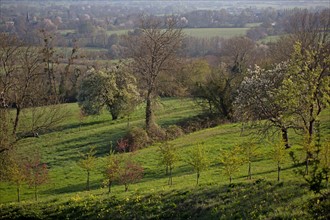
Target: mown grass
[[151, 198]]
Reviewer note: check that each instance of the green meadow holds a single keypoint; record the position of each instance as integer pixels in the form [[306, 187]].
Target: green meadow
[[64, 196], [215, 32]]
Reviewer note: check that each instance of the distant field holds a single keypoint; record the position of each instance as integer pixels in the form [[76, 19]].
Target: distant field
[[215, 32], [195, 32]]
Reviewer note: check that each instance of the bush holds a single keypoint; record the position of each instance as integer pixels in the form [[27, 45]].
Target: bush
[[137, 138], [156, 133], [200, 122], [319, 207], [173, 131]]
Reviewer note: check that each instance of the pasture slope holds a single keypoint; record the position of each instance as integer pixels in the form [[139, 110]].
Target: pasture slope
[[64, 196]]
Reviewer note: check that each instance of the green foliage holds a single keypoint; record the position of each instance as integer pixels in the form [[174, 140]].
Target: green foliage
[[218, 91], [87, 163], [250, 151], [230, 161], [198, 159], [113, 88], [168, 157], [319, 207], [305, 91], [278, 154], [325, 161]]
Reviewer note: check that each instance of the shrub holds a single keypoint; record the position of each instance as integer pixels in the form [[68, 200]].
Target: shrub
[[156, 133], [137, 138], [122, 145], [173, 131]]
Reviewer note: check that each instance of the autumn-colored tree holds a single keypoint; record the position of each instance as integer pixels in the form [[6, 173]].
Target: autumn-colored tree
[[87, 163], [231, 160], [168, 157], [198, 159], [131, 172], [112, 169], [36, 172], [16, 173]]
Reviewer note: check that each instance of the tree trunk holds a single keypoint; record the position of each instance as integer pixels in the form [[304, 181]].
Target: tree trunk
[[307, 163], [87, 184], [278, 171], [35, 192], [197, 178], [149, 112], [109, 185], [285, 137], [170, 177], [249, 171], [126, 187], [18, 194], [128, 121], [18, 111]]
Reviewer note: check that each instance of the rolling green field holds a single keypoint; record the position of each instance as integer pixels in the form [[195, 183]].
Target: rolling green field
[[215, 32], [151, 198]]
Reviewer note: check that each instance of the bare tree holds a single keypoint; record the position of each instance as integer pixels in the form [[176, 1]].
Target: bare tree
[[153, 51]]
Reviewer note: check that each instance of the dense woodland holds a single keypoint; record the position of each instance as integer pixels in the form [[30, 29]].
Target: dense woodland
[[121, 59]]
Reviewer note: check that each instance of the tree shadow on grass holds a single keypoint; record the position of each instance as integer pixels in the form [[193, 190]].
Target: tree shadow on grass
[[79, 187], [69, 150], [234, 201]]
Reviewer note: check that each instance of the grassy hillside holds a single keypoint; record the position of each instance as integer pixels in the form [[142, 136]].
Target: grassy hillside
[[151, 198]]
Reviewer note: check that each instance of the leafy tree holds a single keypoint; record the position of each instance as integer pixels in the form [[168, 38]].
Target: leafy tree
[[131, 172], [113, 88], [36, 172], [305, 91], [112, 169], [168, 157], [325, 161], [278, 155], [87, 163], [258, 98], [249, 153], [218, 91], [198, 159], [231, 160], [154, 51], [16, 174]]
